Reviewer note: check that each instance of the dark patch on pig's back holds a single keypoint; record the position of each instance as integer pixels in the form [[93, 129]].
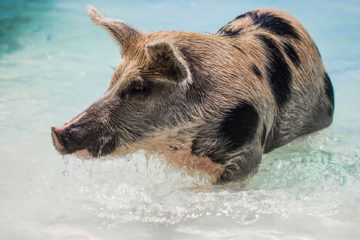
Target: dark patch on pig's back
[[292, 54], [239, 125], [277, 69], [275, 24], [268, 21]]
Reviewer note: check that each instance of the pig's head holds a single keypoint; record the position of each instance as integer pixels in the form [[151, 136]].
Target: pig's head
[[147, 96]]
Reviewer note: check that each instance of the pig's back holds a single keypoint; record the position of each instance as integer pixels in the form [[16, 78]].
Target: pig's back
[[288, 63]]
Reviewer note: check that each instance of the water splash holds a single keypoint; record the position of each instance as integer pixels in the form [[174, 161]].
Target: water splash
[[88, 166], [66, 160]]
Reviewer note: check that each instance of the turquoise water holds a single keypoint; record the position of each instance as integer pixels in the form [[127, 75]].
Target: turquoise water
[[54, 62]]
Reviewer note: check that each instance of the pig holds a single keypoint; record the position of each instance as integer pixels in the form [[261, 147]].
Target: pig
[[211, 104]]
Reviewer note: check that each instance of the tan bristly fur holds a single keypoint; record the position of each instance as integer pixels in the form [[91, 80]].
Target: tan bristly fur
[[222, 66]]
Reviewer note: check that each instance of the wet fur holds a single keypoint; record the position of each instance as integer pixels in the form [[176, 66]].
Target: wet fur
[[216, 102]]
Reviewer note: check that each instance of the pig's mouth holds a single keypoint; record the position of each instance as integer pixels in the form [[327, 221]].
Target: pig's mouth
[[82, 143]]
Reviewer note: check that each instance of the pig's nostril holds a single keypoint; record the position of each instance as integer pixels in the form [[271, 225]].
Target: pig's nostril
[[56, 140]]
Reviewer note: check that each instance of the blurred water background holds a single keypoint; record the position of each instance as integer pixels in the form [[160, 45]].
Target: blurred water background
[[54, 63]]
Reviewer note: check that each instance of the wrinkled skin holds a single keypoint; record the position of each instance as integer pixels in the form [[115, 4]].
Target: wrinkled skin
[[127, 112]]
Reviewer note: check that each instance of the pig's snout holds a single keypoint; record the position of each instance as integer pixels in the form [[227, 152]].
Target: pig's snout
[[83, 136], [68, 138], [57, 140]]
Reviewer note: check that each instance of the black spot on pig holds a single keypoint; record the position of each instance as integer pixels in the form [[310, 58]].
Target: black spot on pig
[[239, 125], [329, 89], [274, 24], [291, 53], [278, 71]]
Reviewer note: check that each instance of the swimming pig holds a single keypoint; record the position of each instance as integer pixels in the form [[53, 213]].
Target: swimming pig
[[213, 104]]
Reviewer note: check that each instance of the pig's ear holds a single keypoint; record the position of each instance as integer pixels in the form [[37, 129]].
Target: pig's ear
[[122, 33], [169, 61]]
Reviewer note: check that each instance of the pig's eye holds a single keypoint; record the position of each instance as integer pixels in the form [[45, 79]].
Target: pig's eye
[[138, 87], [136, 90]]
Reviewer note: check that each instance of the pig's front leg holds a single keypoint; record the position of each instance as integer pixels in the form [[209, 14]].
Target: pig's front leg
[[241, 164]]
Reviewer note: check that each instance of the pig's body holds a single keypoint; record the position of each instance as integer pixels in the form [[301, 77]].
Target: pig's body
[[212, 103]]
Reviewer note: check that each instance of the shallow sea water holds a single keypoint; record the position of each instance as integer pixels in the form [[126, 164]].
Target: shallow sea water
[[54, 63]]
